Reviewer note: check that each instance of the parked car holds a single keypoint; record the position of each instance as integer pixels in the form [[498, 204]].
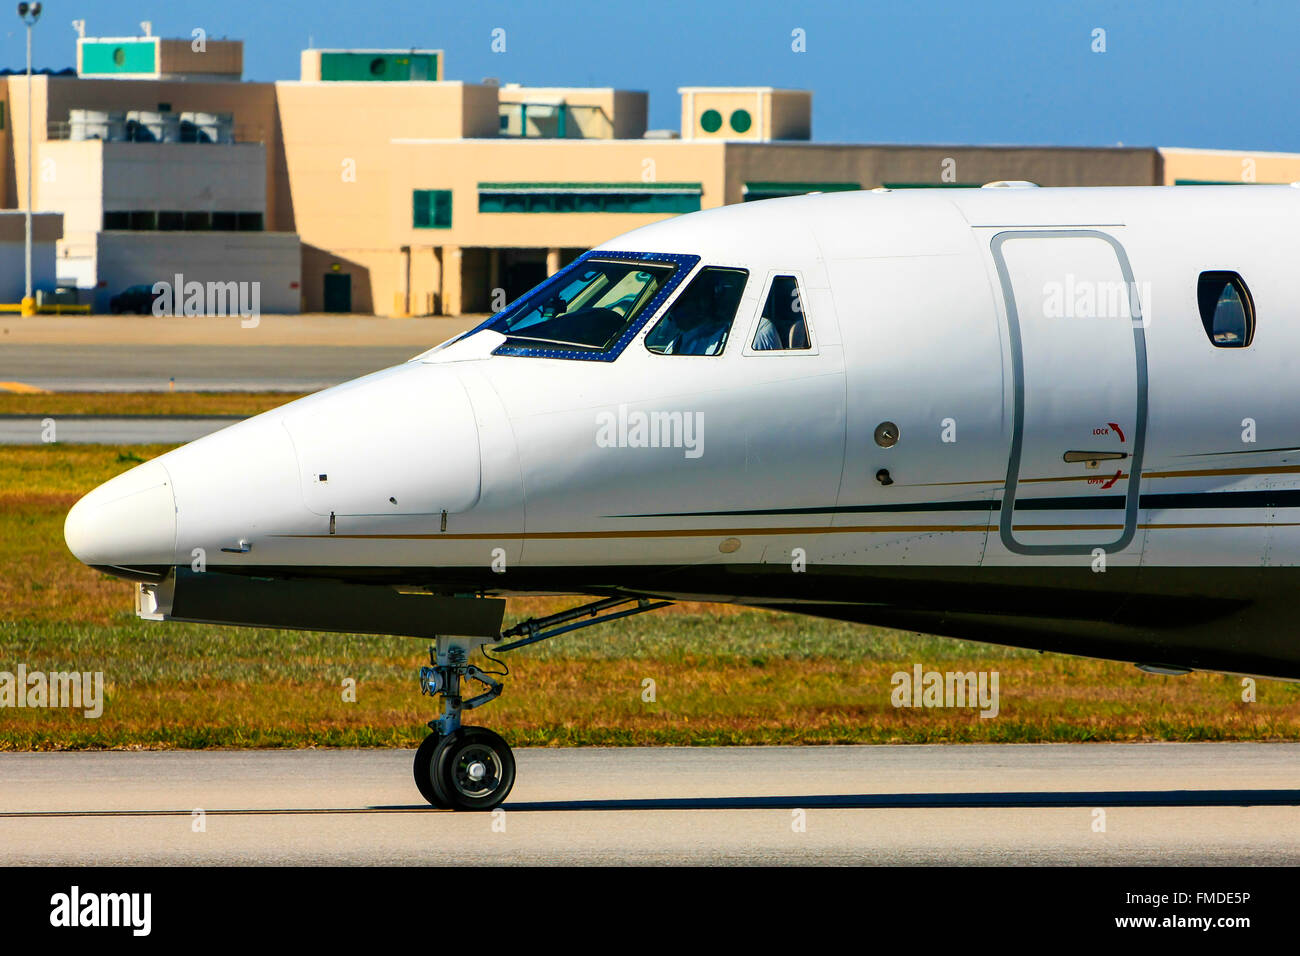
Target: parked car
[[136, 298]]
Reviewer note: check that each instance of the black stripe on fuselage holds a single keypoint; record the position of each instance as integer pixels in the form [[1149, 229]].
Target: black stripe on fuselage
[[1162, 501]]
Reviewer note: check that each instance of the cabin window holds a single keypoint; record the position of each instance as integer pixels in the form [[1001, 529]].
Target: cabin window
[[699, 322], [588, 308], [1227, 311], [782, 326]]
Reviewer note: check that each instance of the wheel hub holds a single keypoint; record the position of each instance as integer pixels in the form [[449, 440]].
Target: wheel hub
[[476, 771]]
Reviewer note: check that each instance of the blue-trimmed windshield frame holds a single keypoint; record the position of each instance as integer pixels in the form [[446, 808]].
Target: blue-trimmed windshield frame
[[685, 264]]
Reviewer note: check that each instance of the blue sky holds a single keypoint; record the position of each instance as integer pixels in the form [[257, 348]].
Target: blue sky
[[1175, 72]]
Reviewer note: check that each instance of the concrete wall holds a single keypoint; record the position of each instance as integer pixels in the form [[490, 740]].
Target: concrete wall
[[872, 166], [83, 179], [46, 230], [252, 104], [133, 258], [224, 58]]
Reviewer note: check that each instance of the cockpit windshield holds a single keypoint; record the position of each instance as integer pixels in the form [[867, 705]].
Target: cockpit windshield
[[588, 308]]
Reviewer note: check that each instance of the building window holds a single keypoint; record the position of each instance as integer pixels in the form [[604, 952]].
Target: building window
[[147, 220], [711, 121], [431, 209], [641, 198], [1227, 311], [741, 121]]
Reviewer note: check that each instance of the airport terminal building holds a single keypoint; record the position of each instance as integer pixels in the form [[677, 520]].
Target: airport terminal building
[[374, 184]]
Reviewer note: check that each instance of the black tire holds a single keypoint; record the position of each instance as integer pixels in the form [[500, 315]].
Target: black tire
[[424, 770], [454, 765]]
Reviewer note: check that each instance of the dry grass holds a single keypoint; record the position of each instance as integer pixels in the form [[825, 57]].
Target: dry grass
[[722, 675]]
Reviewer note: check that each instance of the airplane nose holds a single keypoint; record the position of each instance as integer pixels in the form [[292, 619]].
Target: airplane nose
[[127, 523]]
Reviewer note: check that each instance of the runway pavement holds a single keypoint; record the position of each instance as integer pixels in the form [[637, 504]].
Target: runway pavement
[[108, 430], [1022, 804], [148, 353], [194, 368]]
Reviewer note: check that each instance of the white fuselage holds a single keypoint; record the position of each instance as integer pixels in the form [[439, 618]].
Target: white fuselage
[[996, 330]]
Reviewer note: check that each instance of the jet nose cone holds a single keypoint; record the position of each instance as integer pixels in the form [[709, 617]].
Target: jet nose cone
[[127, 523]]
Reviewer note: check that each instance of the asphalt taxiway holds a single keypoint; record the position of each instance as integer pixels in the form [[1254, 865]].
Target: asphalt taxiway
[[108, 429], [1007, 804], [148, 353]]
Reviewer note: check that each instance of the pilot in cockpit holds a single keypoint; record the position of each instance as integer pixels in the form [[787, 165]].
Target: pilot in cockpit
[[698, 322]]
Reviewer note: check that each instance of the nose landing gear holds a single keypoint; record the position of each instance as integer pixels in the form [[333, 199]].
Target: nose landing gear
[[471, 768], [456, 767]]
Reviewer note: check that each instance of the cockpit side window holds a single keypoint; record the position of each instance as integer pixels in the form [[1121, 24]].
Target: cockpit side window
[[782, 326], [699, 322], [588, 310]]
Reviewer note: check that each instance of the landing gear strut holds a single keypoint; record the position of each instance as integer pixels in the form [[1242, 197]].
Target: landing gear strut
[[472, 768], [461, 768]]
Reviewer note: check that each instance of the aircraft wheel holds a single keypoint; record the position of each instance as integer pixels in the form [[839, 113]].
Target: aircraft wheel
[[473, 769], [424, 770]]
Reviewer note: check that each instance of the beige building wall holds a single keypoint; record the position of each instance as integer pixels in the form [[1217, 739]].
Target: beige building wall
[[365, 221], [342, 160], [73, 183], [1228, 166], [771, 113], [625, 112]]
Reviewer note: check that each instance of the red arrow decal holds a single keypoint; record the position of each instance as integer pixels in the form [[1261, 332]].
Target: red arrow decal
[[1111, 483], [1118, 429]]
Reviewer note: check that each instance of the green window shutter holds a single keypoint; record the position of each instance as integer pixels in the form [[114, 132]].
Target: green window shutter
[[420, 217], [442, 209], [431, 209], [644, 198]]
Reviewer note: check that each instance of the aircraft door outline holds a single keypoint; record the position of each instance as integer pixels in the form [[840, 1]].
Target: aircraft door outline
[[1135, 440]]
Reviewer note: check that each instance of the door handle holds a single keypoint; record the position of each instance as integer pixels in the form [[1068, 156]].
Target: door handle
[[1090, 458]]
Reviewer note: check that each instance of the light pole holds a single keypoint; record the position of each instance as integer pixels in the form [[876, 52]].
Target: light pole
[[29, 13]]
